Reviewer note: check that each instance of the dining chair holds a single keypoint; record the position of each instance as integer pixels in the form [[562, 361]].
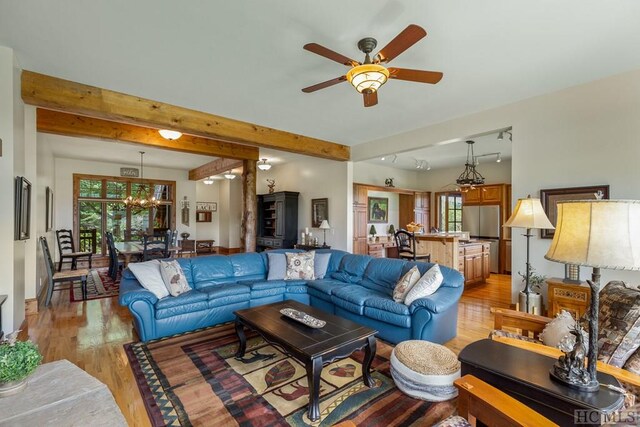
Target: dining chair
[[67, 249], [406, 243], [155, 247], [115, 264], [61, 276]]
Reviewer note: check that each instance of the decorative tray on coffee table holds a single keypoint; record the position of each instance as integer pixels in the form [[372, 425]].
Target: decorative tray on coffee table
[[302, 317]]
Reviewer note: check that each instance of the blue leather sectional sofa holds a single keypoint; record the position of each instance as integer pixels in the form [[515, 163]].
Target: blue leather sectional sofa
[[356, 287]]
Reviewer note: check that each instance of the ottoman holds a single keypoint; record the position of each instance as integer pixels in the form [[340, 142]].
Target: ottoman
[[424, 370]]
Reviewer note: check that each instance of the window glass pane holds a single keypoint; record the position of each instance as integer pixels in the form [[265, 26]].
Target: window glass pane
[[117, 220], [458, 202], [140, 189], [458, 216], [116, 190], [161, 218], [90, 217], [443, 211], [91, 188], [458, 227], [162, 192], [139, 223]]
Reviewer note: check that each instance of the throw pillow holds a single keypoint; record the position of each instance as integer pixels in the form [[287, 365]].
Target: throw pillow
[[619, 323], [426, 285], [405, 284], [277, 266], [148, 274], [557, 333], [300, 266], [174, 278], [321, 264]]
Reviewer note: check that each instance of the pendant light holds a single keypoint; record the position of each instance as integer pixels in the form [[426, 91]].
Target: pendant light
[[142, 198], [208, 180], [263, 165], [470, 177]]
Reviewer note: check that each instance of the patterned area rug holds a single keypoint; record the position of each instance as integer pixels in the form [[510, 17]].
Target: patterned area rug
[[194, 379], [99, 285]]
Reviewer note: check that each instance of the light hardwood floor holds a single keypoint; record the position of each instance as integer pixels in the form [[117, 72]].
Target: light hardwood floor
[[92, 334]]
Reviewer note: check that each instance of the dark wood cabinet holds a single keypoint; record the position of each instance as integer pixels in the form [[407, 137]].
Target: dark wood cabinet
[[277, 220]]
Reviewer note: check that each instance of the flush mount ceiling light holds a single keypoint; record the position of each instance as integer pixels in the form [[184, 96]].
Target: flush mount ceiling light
[[470, 177], [208, 180], [263, 165], [171, 135], [502, 133], [229, 175]]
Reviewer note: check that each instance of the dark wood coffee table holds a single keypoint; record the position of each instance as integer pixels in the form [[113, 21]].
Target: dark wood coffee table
[[313, 347]]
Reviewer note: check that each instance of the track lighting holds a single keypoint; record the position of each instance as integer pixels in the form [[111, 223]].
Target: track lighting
[[395, 157], [499, 158], [502, 133]]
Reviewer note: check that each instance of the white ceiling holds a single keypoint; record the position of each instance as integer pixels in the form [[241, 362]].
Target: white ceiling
[[244, 59], [447, 155]]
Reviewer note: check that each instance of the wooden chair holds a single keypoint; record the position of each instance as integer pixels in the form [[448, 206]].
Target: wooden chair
[[187, 247], [155, 247], [67, 249], [61, 276], [406, 244], [115, 264]]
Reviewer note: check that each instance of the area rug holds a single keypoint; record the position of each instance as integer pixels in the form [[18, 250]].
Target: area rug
[[99, 285], [194, 379]]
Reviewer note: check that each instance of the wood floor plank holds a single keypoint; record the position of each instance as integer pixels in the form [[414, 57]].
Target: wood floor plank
[[91, 335]]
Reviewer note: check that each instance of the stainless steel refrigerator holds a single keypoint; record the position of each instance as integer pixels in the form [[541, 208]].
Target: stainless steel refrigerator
[[483, 222]]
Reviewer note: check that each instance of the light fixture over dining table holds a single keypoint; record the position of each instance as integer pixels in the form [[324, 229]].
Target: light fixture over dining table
[[142, 198]]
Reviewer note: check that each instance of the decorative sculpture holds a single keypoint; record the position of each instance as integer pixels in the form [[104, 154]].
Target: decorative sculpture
[[569, 368], [271, 185], [389, 182]]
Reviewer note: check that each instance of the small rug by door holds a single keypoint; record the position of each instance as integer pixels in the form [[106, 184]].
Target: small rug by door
[[194, 379], [99, 285]]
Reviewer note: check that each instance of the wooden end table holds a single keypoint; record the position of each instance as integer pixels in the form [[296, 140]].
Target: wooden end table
[[313, 347]]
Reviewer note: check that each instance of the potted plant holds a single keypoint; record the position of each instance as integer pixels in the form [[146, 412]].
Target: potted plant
[[535, 297], [372, 232], [18, 359], [392, 230]]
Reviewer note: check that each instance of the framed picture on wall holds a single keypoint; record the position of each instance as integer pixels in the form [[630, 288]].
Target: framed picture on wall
[[378, 209], [550, 198], [49, 216], [22, 208], [319, 211]]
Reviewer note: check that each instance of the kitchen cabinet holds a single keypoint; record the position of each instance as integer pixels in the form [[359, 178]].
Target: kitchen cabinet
[[484, 194], [421, 211], [474, 260]]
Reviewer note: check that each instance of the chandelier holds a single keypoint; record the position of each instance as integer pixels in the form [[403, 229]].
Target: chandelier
[[470, 177], [142, 197]]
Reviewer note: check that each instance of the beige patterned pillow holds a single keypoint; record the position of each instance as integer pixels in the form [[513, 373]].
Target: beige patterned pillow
[[405, 284], [174, 278], [300, 266]]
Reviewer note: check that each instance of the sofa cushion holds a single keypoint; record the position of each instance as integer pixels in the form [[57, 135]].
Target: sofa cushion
[[382, 274], [300, 266], [324, 288], [405, 284], [149, 277], [619, 323], [321, 264], [214, 291], [352, 268], [248, 266], [427, 285], [187, 302], [173, 277], [352, 298], [212, 270], [293, 288], [386, 310], [277, 266], [387, 304]]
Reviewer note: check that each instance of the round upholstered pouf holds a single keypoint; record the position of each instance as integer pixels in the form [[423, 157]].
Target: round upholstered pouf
[[425, 370]]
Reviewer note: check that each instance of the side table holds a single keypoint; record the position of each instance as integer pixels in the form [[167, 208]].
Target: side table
[[572, 297], [60, 393], [524, 375]]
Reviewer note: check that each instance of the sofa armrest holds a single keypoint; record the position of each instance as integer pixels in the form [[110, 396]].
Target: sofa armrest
[[130, 291], [492, 406], [439, 302], [526, 322]]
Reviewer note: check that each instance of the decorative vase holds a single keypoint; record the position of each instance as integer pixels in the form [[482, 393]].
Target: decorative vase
[[12, 387]]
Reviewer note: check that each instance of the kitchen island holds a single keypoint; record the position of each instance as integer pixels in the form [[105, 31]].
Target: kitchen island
[[470, 257]]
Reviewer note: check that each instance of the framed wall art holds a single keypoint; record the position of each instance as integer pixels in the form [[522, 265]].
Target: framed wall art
[[550, 198], [319, 211], [378, 210], [22, 208], [49, 215], [207, 206]]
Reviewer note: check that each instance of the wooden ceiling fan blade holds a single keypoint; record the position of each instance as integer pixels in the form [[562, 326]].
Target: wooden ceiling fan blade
[[328, 53], [403, 41], [324, 84], [370, 99], [420, 76]]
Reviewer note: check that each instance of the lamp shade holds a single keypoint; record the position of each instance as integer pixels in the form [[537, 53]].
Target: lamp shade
[[528, 213], [598, 233], [324, 225]]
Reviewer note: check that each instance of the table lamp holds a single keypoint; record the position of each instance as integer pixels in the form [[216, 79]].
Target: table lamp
[[598, 234], [324, 226], [528, 214]]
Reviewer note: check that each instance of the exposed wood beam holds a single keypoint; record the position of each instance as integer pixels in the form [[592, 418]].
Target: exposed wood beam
[[60, 123], [215, 167], [58, 94]]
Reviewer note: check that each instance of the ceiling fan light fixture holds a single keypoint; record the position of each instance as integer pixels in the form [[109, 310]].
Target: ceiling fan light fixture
[[368, 78], [263, 165], [171, 135]]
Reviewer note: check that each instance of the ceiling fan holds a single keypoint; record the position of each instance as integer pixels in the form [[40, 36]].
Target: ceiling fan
[[368, 76]]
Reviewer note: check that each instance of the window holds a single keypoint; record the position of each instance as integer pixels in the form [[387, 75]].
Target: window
[[99, 206], [449, 211]]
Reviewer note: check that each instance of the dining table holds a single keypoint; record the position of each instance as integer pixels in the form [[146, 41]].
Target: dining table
[[134, 248]]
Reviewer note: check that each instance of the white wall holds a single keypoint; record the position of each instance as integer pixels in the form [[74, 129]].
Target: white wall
[[209, 193], [368, 173], [315, 179], [46, 178], [584, 135]]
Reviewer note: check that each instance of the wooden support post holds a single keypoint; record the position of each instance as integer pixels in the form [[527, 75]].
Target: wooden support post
[[250, 206]]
